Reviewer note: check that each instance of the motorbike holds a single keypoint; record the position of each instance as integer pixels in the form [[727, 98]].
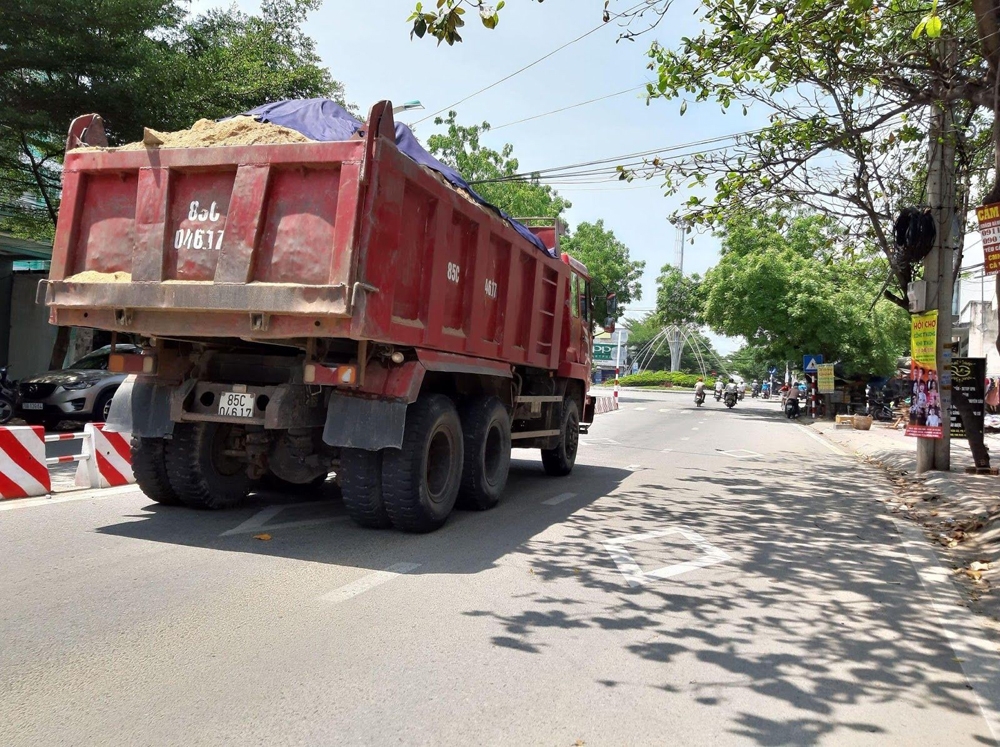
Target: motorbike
[[699, 398], [718, 394], [8, 397], [880, 411], [730, 399], [756, 392], [766, 394], [791, 408], [740, 395]]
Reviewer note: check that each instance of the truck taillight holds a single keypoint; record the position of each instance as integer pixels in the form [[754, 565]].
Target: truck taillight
[[346, 375], [133, 364]]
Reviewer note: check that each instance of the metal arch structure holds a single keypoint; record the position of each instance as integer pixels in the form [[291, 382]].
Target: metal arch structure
[[679, 335]]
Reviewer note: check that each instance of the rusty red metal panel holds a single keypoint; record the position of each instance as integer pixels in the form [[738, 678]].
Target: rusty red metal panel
[[434, 264], [198, 215], [105, 237], [559, 340], [434, 360], [68, 226], [299, 227], [346, 227], [153, 193], [244, 224], [397, 382]]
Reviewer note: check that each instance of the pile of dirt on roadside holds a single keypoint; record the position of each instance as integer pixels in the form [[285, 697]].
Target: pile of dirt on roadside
[[206, 133]]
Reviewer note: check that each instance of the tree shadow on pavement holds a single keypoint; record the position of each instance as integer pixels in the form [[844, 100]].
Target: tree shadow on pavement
[[816, 574]]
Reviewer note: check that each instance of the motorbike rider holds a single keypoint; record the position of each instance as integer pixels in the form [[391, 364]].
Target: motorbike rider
[[755, 388], [792, 397], [741, 389], [699, 390], [718, 387]]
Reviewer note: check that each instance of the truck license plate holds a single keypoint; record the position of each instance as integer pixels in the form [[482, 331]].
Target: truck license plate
[[32, 405], [236, 405]]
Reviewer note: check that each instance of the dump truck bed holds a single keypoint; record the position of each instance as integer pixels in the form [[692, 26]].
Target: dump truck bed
[[344, 239]]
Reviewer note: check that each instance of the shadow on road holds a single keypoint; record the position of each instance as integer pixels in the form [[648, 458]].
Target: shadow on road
[[316, 527], [818, 608]]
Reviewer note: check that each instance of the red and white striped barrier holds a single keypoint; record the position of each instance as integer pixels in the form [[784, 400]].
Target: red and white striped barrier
[[605, 404], [23, 469], [108, 461]]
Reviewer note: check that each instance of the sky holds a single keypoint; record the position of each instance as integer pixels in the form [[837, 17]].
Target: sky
[[366, 45]]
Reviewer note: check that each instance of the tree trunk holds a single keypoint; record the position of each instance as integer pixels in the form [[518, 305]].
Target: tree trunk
[[60, 347]]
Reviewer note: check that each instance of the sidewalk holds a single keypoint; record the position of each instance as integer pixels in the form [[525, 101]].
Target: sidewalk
[[958, 511]]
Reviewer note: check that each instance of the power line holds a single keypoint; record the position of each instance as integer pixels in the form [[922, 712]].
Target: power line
[[529, 65], [567, 108], [626, 159]]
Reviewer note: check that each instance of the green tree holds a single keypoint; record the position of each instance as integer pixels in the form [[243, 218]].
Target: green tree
[[678, 297], [490, 171], [790, 292], [137, 63], [610, 264]]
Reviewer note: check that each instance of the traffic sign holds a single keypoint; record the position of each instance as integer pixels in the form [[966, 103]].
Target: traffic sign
[[809, 362]]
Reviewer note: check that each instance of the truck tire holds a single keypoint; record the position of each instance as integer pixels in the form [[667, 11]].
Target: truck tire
[[559, 461], [420, 481], [150, 469], [360, 476], [200, 474], [486, 435]]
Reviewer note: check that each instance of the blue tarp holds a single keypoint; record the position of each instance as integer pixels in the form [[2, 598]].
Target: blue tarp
[[326, 120]]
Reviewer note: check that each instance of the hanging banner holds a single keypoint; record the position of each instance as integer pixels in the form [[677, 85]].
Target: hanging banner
[[968, 375], [824, 377], [989, 228], [925, 400]]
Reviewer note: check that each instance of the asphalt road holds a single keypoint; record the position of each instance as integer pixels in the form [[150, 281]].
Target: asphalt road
[[704, 577]]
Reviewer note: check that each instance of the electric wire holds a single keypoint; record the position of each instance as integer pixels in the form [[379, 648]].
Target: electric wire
[[567, 108], [531, 64]]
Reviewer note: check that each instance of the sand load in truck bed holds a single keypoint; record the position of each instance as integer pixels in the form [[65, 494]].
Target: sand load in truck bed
[[206, 133]]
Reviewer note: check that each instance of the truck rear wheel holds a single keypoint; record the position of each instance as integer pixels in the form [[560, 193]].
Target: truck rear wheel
[[200, 472], [360, 475], [150, 469], [420, 481], [486, 432], [559, 461]]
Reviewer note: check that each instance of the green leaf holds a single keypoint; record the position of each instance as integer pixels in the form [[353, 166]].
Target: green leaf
[[919, 29], [934, 27]]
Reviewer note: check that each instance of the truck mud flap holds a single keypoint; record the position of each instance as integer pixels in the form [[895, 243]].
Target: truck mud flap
[[141, 409], [369, 424]]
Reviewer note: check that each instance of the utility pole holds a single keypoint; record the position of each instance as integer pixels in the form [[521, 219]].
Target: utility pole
[[939, 267], [675, 336]]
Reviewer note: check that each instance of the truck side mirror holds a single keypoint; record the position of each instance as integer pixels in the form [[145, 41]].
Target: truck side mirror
[[609, 324], [612, 302]]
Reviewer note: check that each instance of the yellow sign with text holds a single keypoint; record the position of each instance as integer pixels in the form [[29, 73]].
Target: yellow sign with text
[[923, 339], [824, 378]]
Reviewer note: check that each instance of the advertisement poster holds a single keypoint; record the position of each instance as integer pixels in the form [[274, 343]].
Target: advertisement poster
[[824, 378], [968, 375], [989, 228], [925, 402]]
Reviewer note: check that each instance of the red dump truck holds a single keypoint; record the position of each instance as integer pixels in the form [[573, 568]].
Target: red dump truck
[[321, 306]]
